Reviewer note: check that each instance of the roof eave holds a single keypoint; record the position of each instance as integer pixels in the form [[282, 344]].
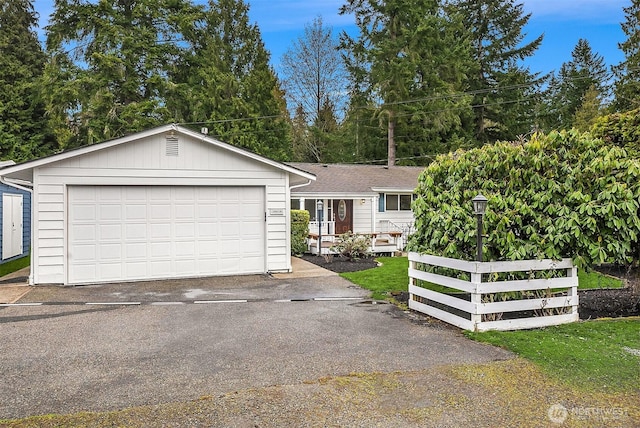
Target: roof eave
[[23, 168]]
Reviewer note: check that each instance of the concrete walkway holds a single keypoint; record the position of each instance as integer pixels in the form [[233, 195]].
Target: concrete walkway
[[304, 269], [14, 286]]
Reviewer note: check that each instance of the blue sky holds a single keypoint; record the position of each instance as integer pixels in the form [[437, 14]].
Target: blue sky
[[562, 22]]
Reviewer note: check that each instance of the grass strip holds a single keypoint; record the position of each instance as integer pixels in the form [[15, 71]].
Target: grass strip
[[392, 276], [590, 280], [599, 354], [14, 265]]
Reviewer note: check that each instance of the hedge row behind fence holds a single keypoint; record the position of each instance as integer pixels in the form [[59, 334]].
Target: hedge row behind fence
[[559, 195]]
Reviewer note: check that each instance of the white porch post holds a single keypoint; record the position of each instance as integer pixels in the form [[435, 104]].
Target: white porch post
[[374, 209]]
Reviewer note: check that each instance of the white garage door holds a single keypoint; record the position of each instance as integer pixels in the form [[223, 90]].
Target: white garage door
[[124, 233]]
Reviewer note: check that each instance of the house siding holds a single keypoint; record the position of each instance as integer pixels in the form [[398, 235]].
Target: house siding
[[144, 162], [401, 219], [26, 219], [362, 216]]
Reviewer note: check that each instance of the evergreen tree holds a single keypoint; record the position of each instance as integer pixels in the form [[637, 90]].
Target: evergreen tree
[[627, 73], [589, 111], [228, 84], [504, 89], [301, 146], [325, 133], [108, 74], [416, 59], [567, 90], [23, 131]]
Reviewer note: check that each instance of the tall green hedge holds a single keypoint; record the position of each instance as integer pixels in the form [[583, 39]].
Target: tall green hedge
[[299, 231], [621, 129], [560, 195]]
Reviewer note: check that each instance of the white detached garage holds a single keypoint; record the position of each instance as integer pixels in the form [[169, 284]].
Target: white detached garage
[[164, 203]]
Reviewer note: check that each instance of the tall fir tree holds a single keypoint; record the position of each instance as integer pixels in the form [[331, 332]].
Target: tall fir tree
[[108, 73], [589, 111], [227, 83], [567, 90], [302, 149], [23, 128], [504, 89], [416, 59], [627, 73], [325, 133]]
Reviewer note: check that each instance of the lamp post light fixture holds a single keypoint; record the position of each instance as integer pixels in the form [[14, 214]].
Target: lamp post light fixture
[[320, 210], [479, 208]]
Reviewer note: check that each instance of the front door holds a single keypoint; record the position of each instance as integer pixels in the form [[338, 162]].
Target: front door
[[11, 225], [343, 215]]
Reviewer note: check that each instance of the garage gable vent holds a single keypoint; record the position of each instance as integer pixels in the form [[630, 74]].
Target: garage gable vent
[[171, 145]]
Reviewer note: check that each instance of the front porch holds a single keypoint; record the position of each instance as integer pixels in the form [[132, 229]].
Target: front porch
[[381, 242]]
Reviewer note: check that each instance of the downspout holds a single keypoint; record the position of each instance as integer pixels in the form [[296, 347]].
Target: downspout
[[300, 185], [3, 180]]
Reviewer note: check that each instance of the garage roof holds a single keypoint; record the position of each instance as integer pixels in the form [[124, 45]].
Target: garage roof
[[23, 172]]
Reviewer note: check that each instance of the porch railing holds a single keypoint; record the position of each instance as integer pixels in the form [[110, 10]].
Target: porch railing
[[380, 242], [405, 228], [328, 227]]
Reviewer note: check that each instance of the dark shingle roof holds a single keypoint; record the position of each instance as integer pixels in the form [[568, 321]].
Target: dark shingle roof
[[357, 179]]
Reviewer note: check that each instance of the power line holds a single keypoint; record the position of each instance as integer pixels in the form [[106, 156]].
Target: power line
[[239, 119]]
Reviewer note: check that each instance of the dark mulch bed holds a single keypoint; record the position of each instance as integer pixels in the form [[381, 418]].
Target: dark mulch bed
[[610, 303], [341, 264], [596, 303]]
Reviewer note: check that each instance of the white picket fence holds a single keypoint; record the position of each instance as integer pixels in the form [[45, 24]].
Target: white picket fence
[[488, 304]]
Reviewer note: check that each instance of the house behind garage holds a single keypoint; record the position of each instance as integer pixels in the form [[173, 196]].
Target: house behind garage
[[366, 199], [15, 212], [164, 203]]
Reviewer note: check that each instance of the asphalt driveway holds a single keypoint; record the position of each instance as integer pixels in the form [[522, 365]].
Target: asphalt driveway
[[164, 341]]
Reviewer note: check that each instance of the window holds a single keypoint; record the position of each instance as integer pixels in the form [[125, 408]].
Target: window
[[391, 202], [310, 205], [295, 204], [405, 202], [394, 202]]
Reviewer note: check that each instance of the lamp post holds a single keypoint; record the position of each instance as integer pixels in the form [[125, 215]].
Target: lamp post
[[479, 208], [319, 209]]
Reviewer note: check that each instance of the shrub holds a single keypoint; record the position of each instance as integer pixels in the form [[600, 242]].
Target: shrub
[[620, 129], [299, 231], [560, 195], [352, 246]]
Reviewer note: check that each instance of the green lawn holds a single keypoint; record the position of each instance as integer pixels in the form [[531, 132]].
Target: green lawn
[[588, 280], [595, 354], [14, 265], [392, 276]]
